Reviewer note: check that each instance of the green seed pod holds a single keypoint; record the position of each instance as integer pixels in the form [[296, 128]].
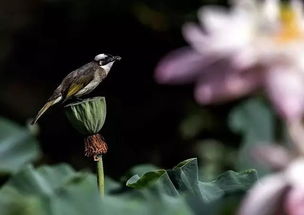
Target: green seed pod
[[87, 116]]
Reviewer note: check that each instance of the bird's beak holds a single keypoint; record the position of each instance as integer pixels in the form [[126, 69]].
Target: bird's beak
[[117, 58]]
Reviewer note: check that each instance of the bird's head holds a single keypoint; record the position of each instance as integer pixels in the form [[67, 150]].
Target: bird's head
[[104, 59]]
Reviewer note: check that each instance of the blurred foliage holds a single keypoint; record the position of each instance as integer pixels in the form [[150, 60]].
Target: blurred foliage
[[215, 157], [50, 190], [183, 182], [196, 121], [255, 122], [18, 147], [58, 190]]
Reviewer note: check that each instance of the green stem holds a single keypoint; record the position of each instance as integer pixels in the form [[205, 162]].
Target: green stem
[[100, 176]]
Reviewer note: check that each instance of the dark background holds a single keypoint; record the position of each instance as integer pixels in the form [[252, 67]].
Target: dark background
[[42, 41]]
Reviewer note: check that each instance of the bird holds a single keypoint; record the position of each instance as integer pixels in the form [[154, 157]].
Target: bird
[[80, 82]]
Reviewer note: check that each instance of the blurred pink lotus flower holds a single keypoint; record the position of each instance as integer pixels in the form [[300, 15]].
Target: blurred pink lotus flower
[[255, 45], [280, 193]]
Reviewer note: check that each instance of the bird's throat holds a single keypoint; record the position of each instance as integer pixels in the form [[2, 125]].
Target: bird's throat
[[107, 67]]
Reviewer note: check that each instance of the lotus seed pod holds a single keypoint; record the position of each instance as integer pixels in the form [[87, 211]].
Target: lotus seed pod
[[94, 146], [87, 116]]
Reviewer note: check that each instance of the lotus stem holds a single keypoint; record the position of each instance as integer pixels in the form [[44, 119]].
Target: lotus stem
[[100, 175]]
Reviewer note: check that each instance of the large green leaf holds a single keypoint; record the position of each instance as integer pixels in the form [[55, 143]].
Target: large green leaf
[[12, 202], [17, 147], [147, 203], [255, 122], [183, 182], [138, 170], [232, 181], [59, 190], [184, 178]]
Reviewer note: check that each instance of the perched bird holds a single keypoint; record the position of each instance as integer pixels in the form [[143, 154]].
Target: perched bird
[[81, 81]]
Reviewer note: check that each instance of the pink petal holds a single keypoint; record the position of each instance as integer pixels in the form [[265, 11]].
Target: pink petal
[[245, 58], [195, 36], [295, 201], [226, 31], [272, 156], [285, 87], [223, 83], [295, 172], [264, 198], [214, 18], [181, 66]]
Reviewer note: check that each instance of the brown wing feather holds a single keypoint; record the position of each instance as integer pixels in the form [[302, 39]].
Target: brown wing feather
[[76, 81]]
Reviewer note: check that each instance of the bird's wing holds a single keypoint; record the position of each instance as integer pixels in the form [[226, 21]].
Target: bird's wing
[[76, 83]]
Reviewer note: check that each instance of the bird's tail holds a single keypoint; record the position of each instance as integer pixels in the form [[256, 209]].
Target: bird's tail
[[43, 109]]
